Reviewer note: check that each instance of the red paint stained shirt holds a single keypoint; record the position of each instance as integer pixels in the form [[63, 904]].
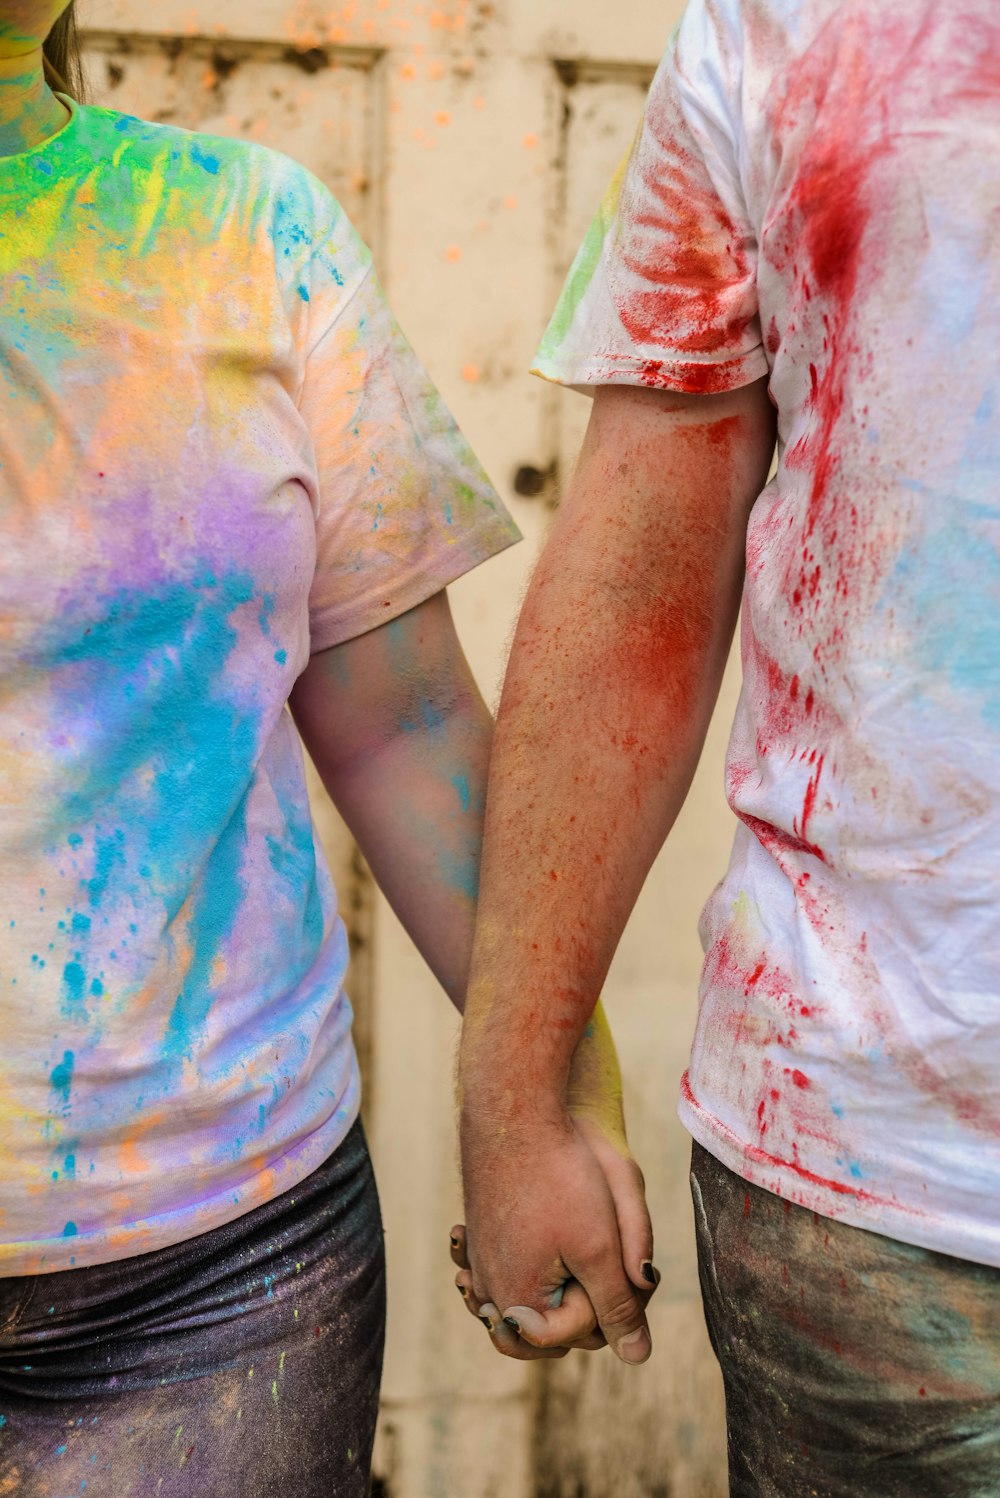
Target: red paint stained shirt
[[814, 195]]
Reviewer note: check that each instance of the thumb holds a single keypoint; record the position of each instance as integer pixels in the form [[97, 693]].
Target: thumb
[[617, 1304], [628, 1193]]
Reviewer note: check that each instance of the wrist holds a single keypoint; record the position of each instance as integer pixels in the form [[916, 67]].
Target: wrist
[[495, 1099]]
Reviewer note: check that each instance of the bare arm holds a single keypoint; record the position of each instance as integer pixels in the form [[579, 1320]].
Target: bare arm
[[401, 737], [614, 673]]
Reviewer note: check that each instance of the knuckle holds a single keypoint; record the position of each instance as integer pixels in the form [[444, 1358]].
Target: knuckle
[[621, 1311]]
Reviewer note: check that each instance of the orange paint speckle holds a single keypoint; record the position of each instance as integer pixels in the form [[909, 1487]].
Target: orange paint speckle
[[530, 141], [442, 117], [510, 201], [470, 373], [453, 254]]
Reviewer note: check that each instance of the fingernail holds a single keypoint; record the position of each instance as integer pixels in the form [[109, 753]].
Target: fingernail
[[636, 1347], [649, 1274], [463, 1292], [487, 1323], [513, 1323], [454, 1241]]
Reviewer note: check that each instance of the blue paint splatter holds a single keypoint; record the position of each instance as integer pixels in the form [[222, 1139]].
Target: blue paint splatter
[[205, 160], [74, 979], [461, 784], [109, 852], [62, 1076], [281, 656], [70, 1230], [180, 801], [304, 293]]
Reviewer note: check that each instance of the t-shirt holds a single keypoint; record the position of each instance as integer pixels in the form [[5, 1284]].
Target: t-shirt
[[814, 196], [217, 454]]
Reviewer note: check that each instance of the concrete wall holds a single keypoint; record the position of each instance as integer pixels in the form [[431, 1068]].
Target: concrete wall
[[471, 140]]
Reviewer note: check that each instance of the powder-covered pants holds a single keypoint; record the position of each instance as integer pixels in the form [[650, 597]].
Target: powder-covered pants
[[854, 1366], [244, 1363]]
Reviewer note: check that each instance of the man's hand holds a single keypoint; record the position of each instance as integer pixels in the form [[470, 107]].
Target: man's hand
[[565, 1251], [585, 1294]]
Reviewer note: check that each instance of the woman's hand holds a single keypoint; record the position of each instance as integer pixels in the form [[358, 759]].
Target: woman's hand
[[559, 1245]]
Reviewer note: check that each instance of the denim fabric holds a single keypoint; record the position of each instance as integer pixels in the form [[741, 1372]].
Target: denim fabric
[[855, 1366], [243, 1363]]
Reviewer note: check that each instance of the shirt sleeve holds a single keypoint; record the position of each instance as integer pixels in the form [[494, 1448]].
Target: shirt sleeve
[[663, 290], [403, 506]]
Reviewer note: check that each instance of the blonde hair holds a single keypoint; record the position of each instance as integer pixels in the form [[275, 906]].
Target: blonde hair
[[61, 54]]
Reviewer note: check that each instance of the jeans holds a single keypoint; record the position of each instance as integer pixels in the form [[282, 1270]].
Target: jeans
[[244, 1363], [854, 1366]]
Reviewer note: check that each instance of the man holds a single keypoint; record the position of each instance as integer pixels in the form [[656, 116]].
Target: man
[[805, 243]]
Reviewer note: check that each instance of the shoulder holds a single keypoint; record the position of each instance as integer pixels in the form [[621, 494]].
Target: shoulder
[[218, 164], [206, 181]]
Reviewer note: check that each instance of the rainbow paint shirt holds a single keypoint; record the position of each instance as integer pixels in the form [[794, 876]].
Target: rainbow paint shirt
[[217, 454], [814, 196]]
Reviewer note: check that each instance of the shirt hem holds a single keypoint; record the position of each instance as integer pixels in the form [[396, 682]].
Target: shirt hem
[[452, 564], [684, 376], [921, 1227], [87, 1250]]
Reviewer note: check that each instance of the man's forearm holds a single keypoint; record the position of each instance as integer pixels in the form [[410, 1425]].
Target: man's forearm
[[614, 672]]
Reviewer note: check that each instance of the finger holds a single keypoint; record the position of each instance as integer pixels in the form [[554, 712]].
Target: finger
[[568, 1324], [463, 1280], [628, 1192], [507, 1342], [459, 1246]]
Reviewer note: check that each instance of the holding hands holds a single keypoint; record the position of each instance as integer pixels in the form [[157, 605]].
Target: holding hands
[[557, 1253]]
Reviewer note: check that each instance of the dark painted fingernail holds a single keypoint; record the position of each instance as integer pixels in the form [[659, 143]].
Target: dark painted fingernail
[[513, 1323], [487, 1323], [649, 1274], [454, 1241], [463, 1292]]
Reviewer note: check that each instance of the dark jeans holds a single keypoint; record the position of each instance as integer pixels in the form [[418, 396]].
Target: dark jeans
[[854, 1366], [244, 1363]]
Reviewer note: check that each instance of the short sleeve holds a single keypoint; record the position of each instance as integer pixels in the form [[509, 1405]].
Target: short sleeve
[[663, 290], [403, 506]]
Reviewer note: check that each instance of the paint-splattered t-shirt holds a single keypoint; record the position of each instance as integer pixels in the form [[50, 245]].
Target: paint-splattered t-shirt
[[217, 454], [814, 196]]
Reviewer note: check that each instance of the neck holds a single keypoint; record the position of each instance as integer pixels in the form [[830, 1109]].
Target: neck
[[29, 110]]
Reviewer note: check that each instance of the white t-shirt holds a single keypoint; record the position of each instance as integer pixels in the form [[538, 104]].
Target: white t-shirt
[[218, 454], [815, 196]]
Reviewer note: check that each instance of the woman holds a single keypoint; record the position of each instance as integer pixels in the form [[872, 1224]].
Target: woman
[[227, 488]]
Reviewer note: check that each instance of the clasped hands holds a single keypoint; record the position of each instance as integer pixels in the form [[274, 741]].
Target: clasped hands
[[557, 1248]]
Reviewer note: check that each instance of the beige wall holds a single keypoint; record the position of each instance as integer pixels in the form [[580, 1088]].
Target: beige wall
[[470, 140]]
